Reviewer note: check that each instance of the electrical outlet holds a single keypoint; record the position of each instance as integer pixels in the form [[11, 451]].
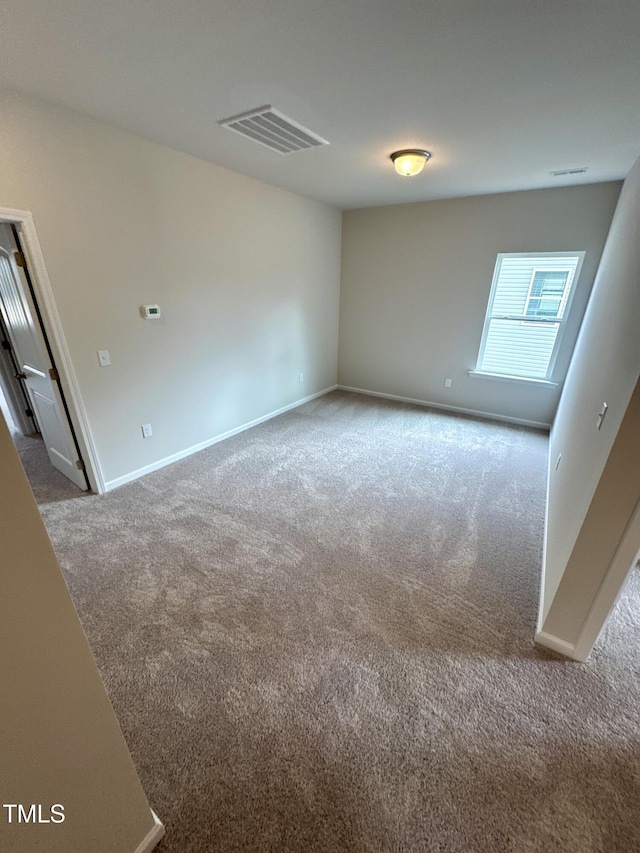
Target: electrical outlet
[[104, 359], [447, 383], [146, 431]]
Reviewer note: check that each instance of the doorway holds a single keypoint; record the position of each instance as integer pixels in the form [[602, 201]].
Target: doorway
[[39, 389]]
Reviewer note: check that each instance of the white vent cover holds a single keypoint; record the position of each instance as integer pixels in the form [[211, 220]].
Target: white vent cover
[[273, 129]]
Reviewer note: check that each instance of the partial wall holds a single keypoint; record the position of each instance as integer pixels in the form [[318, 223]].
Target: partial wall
[[595, 487], [60, 743], [416, 280], [247, 278]]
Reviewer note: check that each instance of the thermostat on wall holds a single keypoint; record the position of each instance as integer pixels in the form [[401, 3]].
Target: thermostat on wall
[[150, 312]]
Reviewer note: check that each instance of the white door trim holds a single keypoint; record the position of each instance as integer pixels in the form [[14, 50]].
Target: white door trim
[[55, 334]]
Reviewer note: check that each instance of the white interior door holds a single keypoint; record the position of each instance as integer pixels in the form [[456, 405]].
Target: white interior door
[[31, 354]]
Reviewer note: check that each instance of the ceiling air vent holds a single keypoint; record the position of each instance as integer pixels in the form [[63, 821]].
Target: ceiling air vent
[[561, 172], [269, 127]]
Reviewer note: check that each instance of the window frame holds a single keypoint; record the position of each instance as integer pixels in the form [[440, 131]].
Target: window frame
[[571, 285]]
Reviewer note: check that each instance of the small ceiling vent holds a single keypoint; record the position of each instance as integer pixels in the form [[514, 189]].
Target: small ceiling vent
[[561, 172], [273, 129]]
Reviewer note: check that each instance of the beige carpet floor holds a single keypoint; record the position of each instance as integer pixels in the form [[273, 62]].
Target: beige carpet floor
[[317, 636]]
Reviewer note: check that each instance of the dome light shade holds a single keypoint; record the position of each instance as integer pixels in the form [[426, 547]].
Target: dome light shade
[[410, 161]]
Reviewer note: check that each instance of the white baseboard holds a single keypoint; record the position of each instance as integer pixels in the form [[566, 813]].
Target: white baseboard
[[557, 645], [457, 409], [152, 837], [168, 460]]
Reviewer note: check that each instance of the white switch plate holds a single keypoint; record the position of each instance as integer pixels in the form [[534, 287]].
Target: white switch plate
[[104, 358], [146, 431]]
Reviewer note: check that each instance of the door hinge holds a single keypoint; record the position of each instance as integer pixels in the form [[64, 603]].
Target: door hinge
[[53, 373], [80, 465], [6, 345], [19, 259], [28, 413]]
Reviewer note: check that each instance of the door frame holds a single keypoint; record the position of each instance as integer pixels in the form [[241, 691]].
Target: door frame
[[52, 327]]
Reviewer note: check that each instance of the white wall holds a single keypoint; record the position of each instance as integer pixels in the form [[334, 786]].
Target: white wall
[[593, 493], [246, 275], [59, 739], [416, 281]]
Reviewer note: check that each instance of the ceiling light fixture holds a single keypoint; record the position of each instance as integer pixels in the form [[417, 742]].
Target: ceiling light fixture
[[410, 161]]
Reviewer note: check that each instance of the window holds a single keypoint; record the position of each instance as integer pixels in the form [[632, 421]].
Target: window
[[548, 293], [528, 308]]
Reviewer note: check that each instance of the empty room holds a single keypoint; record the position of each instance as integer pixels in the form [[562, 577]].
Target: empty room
[[319, 384]]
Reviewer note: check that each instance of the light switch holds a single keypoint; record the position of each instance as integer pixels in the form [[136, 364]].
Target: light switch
[[104, 358]]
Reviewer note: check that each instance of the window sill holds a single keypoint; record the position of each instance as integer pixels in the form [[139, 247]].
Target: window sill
[[520, 380]]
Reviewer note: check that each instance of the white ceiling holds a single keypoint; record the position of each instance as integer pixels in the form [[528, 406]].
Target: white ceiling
[[501, 92]]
